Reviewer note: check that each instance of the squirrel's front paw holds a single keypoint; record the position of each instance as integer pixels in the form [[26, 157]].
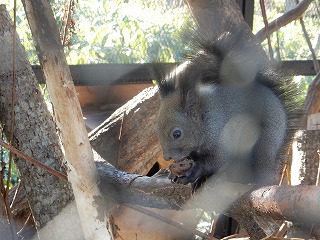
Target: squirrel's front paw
[[180, 169], [185, 171]]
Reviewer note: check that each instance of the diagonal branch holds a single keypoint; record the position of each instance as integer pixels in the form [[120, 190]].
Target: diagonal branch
[[306, 36], [286, 18], [37, 163]]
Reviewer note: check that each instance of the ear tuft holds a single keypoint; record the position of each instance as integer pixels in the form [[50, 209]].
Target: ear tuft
[[160, 73]]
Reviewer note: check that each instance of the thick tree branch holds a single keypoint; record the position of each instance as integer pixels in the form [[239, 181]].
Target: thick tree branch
[[155, 192], [286, 18], [292, 203]]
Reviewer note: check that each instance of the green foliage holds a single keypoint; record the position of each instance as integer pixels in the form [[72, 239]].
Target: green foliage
[[4, 168], [127, 32], [134, 31], [138, 31]]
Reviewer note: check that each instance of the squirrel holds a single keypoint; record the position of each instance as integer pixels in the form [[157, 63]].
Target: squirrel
[[227, 108]]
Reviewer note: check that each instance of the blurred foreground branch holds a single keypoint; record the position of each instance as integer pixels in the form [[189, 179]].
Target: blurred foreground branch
[[292, 203]]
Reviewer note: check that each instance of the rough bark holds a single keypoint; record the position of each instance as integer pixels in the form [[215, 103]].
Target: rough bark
[[309, 145], [146, 191], [34, 132], [128, 138], [82, 171]]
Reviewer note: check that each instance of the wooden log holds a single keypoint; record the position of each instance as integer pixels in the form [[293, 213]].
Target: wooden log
[[69, 119], [128, 139]]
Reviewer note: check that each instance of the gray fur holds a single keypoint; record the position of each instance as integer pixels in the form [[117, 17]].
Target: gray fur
[[236, 115]]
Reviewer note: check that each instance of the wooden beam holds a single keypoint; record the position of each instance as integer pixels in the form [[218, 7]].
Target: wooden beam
[[105, 74], [114, 74], [299, 67]]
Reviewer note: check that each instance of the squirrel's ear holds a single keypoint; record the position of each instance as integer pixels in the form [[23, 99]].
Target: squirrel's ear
[[192, 105]]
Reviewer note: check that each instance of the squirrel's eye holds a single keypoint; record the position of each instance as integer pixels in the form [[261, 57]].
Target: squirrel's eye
[[176, 134]]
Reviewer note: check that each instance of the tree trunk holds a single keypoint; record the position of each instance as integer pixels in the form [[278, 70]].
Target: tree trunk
[[214, 17], [34, 132], [68, 115]]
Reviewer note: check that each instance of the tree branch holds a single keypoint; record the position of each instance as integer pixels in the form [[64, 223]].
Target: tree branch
[[286, 18], [37, 163], [292, 203]]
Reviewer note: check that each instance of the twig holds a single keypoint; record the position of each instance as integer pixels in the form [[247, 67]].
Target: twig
[[15, 194], [238, 235], [67, 22], [283, 20], [282, 231], [34, 161], [12, 97], [284, 170], [120, 139], [266, 24], [25, 224], [306, 36]]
